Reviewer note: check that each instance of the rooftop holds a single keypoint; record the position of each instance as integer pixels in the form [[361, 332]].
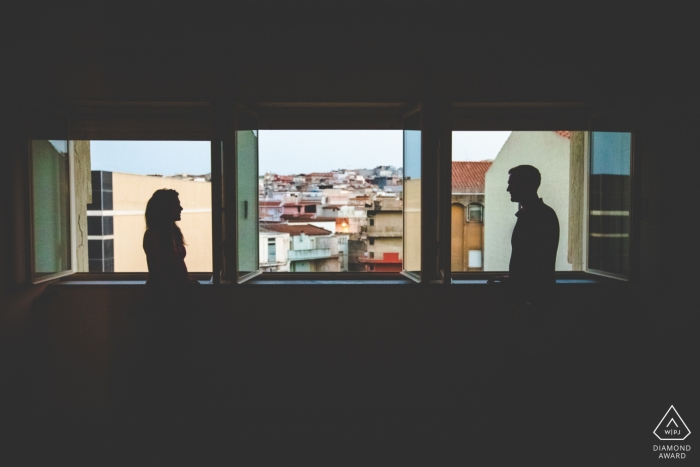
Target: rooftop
[[299, 219], [274, 203], [296, 229], [469, 177]]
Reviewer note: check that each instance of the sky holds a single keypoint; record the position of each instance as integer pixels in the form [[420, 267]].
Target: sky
[[151, 157], [477, 145], [286, 151]]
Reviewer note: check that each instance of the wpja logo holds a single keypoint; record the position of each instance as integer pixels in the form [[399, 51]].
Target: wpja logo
[[672, 428]]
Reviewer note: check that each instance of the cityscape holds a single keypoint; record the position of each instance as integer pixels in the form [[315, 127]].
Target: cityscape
[[342, 220]]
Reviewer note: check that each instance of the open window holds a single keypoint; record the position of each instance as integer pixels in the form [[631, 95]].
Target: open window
[[591, 175], [585, 159], [108, 166], [240, 196], [330, 191], [52, 196], [610, 195]]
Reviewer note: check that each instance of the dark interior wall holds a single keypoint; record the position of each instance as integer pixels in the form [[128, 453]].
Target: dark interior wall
[[426, 354], [365, 355]]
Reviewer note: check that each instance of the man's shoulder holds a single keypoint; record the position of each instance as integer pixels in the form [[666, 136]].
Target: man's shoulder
[[547, 213], [548, 209]]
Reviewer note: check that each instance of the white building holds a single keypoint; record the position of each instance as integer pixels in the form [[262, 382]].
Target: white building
[[313, 249], [274, 251], [549, 151]]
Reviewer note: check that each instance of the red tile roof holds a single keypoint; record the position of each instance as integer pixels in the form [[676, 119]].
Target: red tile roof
[[565, 134], [469, 177], [296, 229]]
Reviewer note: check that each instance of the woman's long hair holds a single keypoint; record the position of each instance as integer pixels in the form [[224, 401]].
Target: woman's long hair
[[158, 216]]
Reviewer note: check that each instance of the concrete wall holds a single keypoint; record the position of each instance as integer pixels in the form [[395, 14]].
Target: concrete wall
[[412, 227], [131, 194], [388, 228], [547, 151], [83, 197], [386, 224]]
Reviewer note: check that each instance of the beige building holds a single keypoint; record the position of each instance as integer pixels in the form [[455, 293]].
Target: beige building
[[116, 220], [384, 237], [467, 215]]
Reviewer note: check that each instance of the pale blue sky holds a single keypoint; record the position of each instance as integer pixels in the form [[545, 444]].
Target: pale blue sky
[[286, 151], [477, 145], [151, 157]]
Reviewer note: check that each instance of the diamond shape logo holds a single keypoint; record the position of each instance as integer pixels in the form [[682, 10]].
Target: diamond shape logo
[[671, 427]]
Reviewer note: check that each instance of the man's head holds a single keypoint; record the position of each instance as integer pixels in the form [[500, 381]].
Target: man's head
[[523, 182]]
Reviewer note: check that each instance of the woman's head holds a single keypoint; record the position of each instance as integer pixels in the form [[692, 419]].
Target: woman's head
[[163, 210]]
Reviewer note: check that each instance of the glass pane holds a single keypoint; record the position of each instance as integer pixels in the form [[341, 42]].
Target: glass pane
[[609, 202], [247, 193], [412, 194], [51, 198]]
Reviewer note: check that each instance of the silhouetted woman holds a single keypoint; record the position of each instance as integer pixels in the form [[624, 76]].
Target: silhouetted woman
[[164, 244], [170, 306]]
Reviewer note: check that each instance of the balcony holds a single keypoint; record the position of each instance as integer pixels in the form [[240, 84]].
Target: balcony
[[384, 231], [305, 255]]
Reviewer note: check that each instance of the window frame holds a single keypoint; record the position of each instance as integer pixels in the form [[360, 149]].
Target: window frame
[[306, 116], [574, 116], [633, 235], [329, 116], [33, 279], [144, 121], [480, 208]]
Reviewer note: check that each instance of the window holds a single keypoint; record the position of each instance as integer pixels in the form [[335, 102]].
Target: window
[[124, 176], [324, 219], [475, 259], [271, 250], [89, 200], [480, 180], [327, 188], [596, 240], [476, 212], [101, 223], [609, 203], [53, 246]]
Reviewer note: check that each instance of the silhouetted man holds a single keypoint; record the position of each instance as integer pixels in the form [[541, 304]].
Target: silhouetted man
[[535, 236]]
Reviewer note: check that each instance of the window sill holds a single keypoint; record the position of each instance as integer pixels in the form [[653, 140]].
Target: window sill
[[126, 279], [592, 280], [563, 278]]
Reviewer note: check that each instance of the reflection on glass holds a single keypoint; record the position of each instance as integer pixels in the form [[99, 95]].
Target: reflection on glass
[[610, 202], [51, 199], [412, 199]]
